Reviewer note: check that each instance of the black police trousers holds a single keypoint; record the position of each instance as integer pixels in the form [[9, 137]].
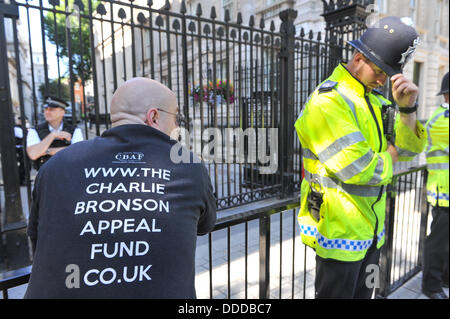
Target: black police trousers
[[337, 279], [435, 270]]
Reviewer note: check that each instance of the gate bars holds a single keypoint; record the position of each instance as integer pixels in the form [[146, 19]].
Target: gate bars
[[227, 76]]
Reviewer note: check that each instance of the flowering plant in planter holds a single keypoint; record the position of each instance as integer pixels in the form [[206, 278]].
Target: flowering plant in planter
[[222, 88]]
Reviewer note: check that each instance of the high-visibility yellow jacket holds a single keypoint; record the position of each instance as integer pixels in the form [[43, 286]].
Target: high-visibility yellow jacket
[[437, 157], [344, 150]]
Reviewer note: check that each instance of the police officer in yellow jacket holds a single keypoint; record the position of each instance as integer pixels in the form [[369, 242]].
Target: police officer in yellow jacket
[[435, 271], [348, 161]]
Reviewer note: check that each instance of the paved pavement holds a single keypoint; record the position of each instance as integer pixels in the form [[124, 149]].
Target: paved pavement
[[412, 289], [229, 249]]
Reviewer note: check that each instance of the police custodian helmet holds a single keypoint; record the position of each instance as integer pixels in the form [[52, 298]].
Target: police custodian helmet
[[389, 44], [51, 101], [444, 85]]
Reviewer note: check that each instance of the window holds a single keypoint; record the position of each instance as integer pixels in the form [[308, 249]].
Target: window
[[413, 10], [381, 6], [164, 80], [442, 23], [270, 2], [416, 73], [191, 8], [146, 37], [227, 5]]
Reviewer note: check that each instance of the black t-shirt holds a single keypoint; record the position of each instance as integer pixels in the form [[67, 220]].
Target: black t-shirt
[[115, 217]]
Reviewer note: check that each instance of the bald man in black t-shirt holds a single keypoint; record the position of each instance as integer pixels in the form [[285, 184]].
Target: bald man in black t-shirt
[[115, 217]]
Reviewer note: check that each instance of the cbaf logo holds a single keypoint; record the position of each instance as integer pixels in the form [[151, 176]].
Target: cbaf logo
[[129, 157]]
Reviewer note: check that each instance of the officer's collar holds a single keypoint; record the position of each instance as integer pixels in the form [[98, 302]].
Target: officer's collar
[[444, 105], [342, 75], [51, 129]]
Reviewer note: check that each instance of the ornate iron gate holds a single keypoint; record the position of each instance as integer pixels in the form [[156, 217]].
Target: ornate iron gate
[[232, 77]]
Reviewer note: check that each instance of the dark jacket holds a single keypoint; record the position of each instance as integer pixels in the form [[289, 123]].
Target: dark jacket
[[114, 217], [42, 130]]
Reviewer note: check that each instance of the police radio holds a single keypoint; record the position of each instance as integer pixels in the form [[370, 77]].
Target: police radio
[[315, 200], [388, 116]]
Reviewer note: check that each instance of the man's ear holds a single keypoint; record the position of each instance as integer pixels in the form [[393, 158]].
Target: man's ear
[[151, 118], [358, 56]]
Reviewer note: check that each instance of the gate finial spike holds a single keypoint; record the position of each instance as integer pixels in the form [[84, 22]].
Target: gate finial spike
[[213, 12], [199, 11], [80, 4], [251, 22], [101, 9], [272, 26], [122, 14], [183, 9], [227, 15], [167, 6], [239, 18]]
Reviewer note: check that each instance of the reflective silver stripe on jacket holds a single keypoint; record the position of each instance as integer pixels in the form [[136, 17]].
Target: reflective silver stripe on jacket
[[376, 178], [340, 144], [357, 190], [350, 104], [355, 167], [405, 153], [437, 153], [429, 126], [307, 153], [437, 166]]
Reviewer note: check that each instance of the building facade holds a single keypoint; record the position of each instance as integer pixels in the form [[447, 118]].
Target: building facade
[[152, 58]]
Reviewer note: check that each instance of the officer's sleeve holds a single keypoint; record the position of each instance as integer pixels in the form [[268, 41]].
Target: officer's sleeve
[[32, 137], [208, 217], [338, 143], [77, 136], [407, 143]]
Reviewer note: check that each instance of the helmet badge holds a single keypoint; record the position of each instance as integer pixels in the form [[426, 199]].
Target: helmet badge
[[408, 54]]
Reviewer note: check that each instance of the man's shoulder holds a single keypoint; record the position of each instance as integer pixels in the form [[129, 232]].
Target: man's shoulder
[[324, 94], [327, 86]]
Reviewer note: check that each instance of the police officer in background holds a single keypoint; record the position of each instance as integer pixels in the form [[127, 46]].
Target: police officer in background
[[123, 220], [435, 270], [53, 135], [348, 161]]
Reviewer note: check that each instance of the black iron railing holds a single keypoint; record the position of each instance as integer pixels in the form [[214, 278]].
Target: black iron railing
[[256, 251], [406, 228]]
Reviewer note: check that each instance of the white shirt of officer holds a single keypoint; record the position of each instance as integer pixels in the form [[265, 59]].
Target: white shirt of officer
[[33, 137]]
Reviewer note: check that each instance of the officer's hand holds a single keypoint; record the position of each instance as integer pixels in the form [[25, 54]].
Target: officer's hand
[[394, 154], [61, 135], [404, 91]]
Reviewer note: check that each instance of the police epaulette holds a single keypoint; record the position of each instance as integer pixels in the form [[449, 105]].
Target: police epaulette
[[378, 92], [327, 86]]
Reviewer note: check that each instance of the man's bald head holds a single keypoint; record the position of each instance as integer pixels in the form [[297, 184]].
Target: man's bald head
[[132, 100]]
